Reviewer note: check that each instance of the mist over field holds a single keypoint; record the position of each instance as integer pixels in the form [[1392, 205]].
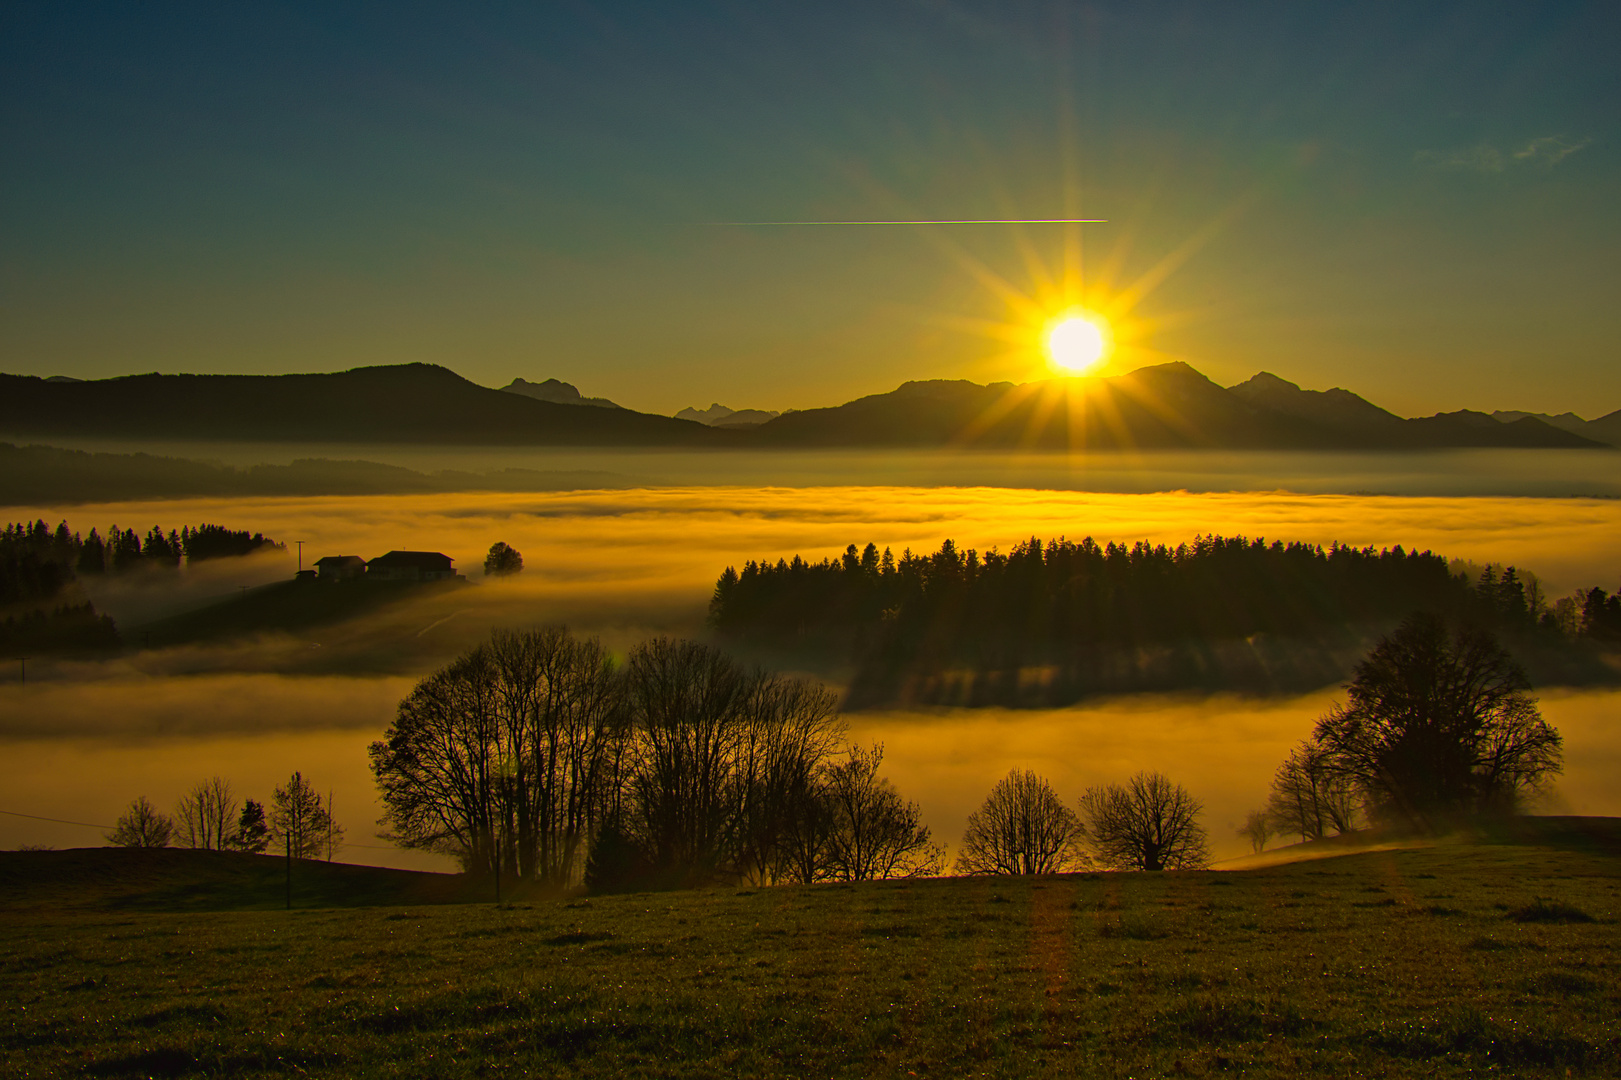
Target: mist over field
[[84, 737], [123, 738]]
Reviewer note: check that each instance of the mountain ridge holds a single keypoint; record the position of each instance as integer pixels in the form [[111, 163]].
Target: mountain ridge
[[1166, 406]]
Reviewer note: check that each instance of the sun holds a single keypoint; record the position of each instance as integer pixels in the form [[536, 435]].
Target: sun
[[1077, 342]]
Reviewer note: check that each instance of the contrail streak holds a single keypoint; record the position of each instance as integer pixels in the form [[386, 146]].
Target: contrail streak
[[936, 221]]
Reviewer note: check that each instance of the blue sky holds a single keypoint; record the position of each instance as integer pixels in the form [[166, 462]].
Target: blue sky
[[1413, 201]]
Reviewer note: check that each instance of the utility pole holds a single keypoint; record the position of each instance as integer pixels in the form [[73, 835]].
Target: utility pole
[[23, 677], [287, 838], [300, 544]]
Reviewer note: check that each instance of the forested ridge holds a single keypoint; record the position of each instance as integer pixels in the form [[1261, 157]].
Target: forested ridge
[[38, 564], [1117, 616]]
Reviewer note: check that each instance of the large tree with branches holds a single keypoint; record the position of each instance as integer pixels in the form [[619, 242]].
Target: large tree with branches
[[1147, 823], [1439, 726], [1022, 828]]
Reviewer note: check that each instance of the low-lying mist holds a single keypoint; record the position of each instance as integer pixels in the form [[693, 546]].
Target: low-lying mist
[[86, 736], [328, 468], [93, 748]]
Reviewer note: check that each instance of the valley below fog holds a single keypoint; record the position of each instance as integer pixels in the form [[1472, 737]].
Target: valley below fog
[[84, 737]]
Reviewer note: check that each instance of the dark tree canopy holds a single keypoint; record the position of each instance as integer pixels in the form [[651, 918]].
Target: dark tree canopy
[[39, 566], [538, 756], [1147, 823], [956, 626], [252, 833], [1439, 726], [503, 559]]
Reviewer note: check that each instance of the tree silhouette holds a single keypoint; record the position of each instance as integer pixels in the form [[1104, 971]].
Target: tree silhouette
[[1148, 823], [508, 758], [252, 833], [872, 832], [502, 560], [1310, 796], [1257, 829], [1022, 828], [300, 820], [206, 816], [141, 826], [1439, 726]]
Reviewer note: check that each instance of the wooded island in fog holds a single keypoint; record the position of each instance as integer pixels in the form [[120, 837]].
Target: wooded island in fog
[[1051, 622]]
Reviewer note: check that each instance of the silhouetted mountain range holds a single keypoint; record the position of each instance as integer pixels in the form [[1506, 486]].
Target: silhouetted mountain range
[[1606, 429], [718, 415], [1169, 406], [406, 403]]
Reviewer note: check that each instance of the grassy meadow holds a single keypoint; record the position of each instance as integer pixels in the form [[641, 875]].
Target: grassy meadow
[[1449, 960]]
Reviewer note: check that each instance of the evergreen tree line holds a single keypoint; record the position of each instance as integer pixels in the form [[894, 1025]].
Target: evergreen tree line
[[65, 626], [209, 818], [1061, 593], [36, 561], [538, 757], [1117, 617]]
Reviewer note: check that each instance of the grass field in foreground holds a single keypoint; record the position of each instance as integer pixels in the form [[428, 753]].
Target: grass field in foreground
[[1446, 961]]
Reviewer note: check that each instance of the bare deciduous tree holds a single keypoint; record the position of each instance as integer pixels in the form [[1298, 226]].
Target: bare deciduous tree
[[141, 826], [684, 766], [792, 729], [872, 833], [1022, 828], [301, 822], [206, 815], [717, 754], [1257, 829], [1310, 797], [1147, 823]]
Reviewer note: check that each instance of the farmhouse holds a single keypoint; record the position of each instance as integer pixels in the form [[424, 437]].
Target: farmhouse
[[411, 566], [340, 567]]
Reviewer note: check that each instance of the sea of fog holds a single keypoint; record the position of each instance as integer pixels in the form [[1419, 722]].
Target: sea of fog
[[1550, 473], [81, 739]]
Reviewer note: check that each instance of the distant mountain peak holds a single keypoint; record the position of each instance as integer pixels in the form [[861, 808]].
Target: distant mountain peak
[[718, 415], [556, 391], [1265, 379]]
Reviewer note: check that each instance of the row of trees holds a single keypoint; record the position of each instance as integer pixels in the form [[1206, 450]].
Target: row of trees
[[1041, 600], [1438, 728], [1024, 827], [209, 818], [65, 626], [36, 561], [536, 756]]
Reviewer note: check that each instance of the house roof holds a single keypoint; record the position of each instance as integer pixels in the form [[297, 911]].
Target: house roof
[[339, 560], [423, 560]]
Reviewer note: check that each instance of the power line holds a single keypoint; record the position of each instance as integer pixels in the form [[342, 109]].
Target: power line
[[57, 820]]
